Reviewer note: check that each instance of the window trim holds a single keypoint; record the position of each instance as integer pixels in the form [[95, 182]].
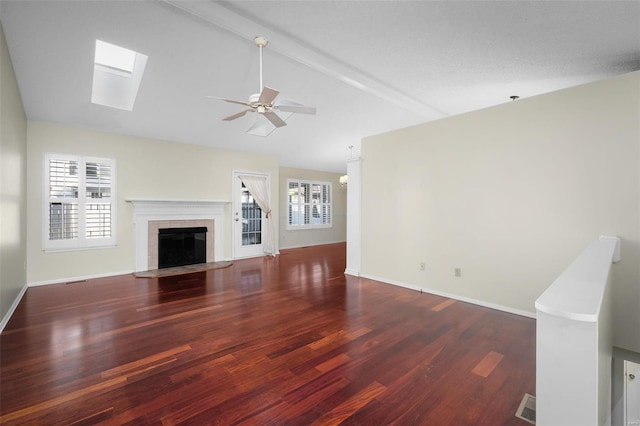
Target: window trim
[[81, 242], [310, 225]]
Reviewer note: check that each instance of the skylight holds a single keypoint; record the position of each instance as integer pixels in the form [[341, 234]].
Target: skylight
[[115, 57], [117, 73]]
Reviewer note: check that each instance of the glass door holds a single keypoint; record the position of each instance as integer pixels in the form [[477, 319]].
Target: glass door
[[247, 222]]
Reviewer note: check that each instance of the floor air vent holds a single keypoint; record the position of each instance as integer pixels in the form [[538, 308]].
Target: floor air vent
[[527, 409]]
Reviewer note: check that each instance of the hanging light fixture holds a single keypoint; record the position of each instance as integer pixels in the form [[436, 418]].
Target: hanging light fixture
[[344, 179]]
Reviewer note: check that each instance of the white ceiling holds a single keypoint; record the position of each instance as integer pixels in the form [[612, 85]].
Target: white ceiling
[[368, 66]]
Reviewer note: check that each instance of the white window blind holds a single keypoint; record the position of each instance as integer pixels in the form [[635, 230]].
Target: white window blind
[[79, 208], [309, 204]]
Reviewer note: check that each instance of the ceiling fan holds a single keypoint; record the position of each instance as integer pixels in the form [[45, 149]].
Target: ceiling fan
[[264, 105]]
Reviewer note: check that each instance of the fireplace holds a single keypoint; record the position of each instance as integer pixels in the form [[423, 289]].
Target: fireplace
[[153, 243], [150, 215], [181, 246]]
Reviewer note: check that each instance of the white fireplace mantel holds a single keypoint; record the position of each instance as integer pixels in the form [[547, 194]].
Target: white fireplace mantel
[[146, 209]]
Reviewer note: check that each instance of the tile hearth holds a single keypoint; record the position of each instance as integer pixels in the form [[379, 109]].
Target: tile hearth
[[179, 270]]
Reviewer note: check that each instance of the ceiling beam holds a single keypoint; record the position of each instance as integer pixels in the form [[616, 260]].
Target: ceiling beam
[[218, 14]]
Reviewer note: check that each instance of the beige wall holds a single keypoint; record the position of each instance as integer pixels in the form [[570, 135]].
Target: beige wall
[[146, 168], [510, 195], [308, 237], [13, 182]]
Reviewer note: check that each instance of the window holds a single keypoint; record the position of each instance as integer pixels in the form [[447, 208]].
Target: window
[[79, 208], [251, 219], [309, 204]]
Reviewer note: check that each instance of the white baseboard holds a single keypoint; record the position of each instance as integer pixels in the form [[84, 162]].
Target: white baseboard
[[12, 308], [454, 296], [74, 279], [311, 245], [352, 272]]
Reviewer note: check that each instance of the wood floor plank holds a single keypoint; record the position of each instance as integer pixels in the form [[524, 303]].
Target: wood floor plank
[[145, 363], [488, 363], [333, 362], [54, 402], [443, 305], [286, 340], [351, 405]]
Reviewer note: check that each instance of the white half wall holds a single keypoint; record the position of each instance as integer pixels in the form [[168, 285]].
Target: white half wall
[[573, 341]]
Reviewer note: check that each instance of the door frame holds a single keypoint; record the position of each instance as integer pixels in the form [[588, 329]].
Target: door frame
[[236, 209], [630, 367]]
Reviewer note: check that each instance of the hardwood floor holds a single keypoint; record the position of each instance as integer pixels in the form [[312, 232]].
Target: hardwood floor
[[290, 340]]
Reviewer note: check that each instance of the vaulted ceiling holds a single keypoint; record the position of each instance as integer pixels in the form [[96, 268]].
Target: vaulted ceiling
[[367, 66]]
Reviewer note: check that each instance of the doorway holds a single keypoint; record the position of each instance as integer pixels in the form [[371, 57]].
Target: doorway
[[248, 223]]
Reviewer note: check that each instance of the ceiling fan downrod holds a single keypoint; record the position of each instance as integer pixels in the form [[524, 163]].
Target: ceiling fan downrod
[[261, 42]]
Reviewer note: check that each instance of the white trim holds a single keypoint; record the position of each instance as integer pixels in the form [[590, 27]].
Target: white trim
[[307, 227], [311, 245], [587, 276], [352, 272], [81, 278], [12, 308], [354, 216], [628, 404], [310, 225], [146, 209], [235, 207], [453, 296], [254, 256], [81, 242]]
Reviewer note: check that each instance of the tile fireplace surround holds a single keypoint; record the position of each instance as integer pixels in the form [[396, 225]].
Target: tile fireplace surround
[[152, 214], [155, 225]]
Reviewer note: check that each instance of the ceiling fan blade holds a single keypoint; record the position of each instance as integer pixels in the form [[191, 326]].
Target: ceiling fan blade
[[238, 115], [230, 100], [274, 119], [299, 109], [268, 95], [286, 105]]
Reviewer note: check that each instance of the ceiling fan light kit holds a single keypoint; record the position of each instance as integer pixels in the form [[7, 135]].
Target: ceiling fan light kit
[[263, 104]]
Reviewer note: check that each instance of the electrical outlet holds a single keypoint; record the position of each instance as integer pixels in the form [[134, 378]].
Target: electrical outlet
[[423, 266], [457, 272]]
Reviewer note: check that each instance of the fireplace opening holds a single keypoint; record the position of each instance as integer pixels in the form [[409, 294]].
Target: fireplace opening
[[181, 246]]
